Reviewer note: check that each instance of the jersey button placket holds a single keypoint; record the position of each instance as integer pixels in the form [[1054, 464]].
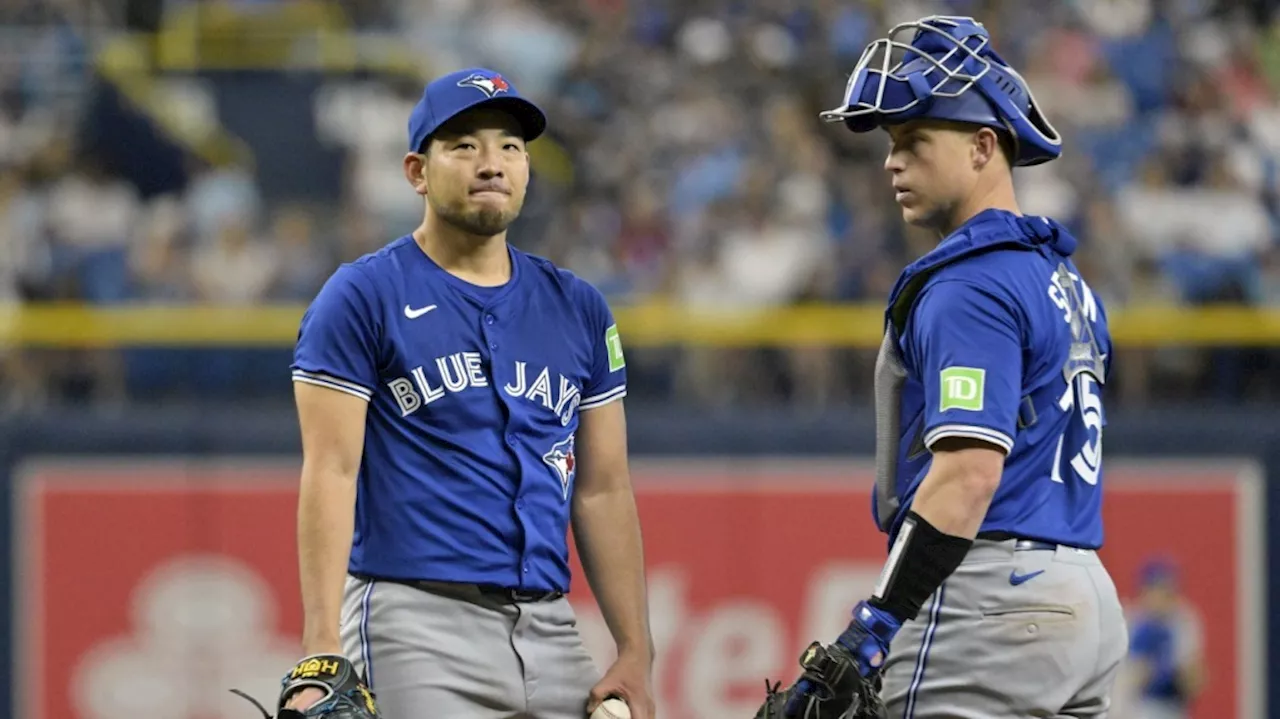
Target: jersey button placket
[[490, 320]]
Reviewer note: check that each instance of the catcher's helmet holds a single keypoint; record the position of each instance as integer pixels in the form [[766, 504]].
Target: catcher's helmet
[[948, 71]]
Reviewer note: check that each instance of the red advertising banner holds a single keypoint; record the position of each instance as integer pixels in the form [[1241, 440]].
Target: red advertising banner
[[148, 590]]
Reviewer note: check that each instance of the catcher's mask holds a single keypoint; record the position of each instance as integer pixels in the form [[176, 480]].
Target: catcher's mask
[[948, 71]]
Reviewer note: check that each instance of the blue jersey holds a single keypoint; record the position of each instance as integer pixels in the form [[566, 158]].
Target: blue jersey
[[1000, 339], [1166, 642], [474, 397]]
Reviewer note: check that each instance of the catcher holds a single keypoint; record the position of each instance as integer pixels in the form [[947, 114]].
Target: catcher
[[993, 602], [346, 696]]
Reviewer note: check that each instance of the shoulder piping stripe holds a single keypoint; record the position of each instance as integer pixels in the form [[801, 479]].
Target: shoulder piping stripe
[[324, 380], [604, 398], [971, 431]]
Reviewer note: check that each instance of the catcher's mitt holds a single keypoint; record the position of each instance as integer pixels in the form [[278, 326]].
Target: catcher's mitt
[[829, 688], [346, 696]]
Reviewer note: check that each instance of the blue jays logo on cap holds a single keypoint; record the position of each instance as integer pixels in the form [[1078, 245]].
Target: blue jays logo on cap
[[488, 84]]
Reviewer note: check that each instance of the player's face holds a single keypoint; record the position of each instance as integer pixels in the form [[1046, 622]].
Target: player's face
[[1160, 597], [932, 167], [476, 172]]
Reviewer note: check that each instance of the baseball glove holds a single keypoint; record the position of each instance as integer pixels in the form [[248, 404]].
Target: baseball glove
[[829, 688], [346, 696]]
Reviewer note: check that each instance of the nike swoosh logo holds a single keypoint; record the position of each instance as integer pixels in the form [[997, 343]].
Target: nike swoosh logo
[[1015, 579], [415, 314]]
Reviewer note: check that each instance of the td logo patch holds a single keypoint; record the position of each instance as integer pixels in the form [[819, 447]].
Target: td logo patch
[[613, 343], [962, 388]]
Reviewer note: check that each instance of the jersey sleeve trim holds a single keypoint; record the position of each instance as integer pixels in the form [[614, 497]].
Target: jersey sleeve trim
[[325, 380], [971, 431], [604, 398]]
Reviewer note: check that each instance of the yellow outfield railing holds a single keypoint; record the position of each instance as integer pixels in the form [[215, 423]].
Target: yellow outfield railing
[[645, 325]]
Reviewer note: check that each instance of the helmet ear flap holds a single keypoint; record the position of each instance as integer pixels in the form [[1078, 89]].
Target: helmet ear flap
[[1039, 121], [1037, 141]]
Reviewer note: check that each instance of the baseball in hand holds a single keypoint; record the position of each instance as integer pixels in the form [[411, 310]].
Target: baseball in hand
[[612, 709]]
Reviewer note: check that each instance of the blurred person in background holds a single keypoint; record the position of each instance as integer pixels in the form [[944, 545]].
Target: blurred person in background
[[644, 241], [236, 266], [161, 273], [761, 254], [358, 233], [158, 261], [216, 192], [1165, 670], [23, 262], [709, 375], [24, 255], [94, 218], [304, 260], [365, 118]]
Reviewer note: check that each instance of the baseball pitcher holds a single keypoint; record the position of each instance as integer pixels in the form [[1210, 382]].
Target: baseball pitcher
[[460, 404], [992, 602]]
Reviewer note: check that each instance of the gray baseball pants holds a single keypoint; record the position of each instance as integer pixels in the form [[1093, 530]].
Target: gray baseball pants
[[1036, 633], [447, 651]]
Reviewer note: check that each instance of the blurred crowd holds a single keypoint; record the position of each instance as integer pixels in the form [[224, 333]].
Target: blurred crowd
[[694, 169]]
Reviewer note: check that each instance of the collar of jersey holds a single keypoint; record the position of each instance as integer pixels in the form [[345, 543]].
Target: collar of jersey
[[986, 230], [470, 291]]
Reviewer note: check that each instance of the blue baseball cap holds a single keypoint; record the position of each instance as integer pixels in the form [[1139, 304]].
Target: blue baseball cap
[[455, 93], [1158, 570]]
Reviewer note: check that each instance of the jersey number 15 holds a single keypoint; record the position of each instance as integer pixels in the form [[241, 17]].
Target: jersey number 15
[[1084, 390], [1079, 310]]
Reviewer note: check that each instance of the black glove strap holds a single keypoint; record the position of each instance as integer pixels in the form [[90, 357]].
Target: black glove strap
[[829, 672], [255, 702], [920, 561]]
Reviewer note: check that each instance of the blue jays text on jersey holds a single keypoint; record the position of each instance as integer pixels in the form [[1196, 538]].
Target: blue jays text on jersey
[[995, 336], [474, 398]]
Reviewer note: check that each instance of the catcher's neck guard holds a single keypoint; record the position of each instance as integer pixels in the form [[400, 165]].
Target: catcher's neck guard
[[947, 71]]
